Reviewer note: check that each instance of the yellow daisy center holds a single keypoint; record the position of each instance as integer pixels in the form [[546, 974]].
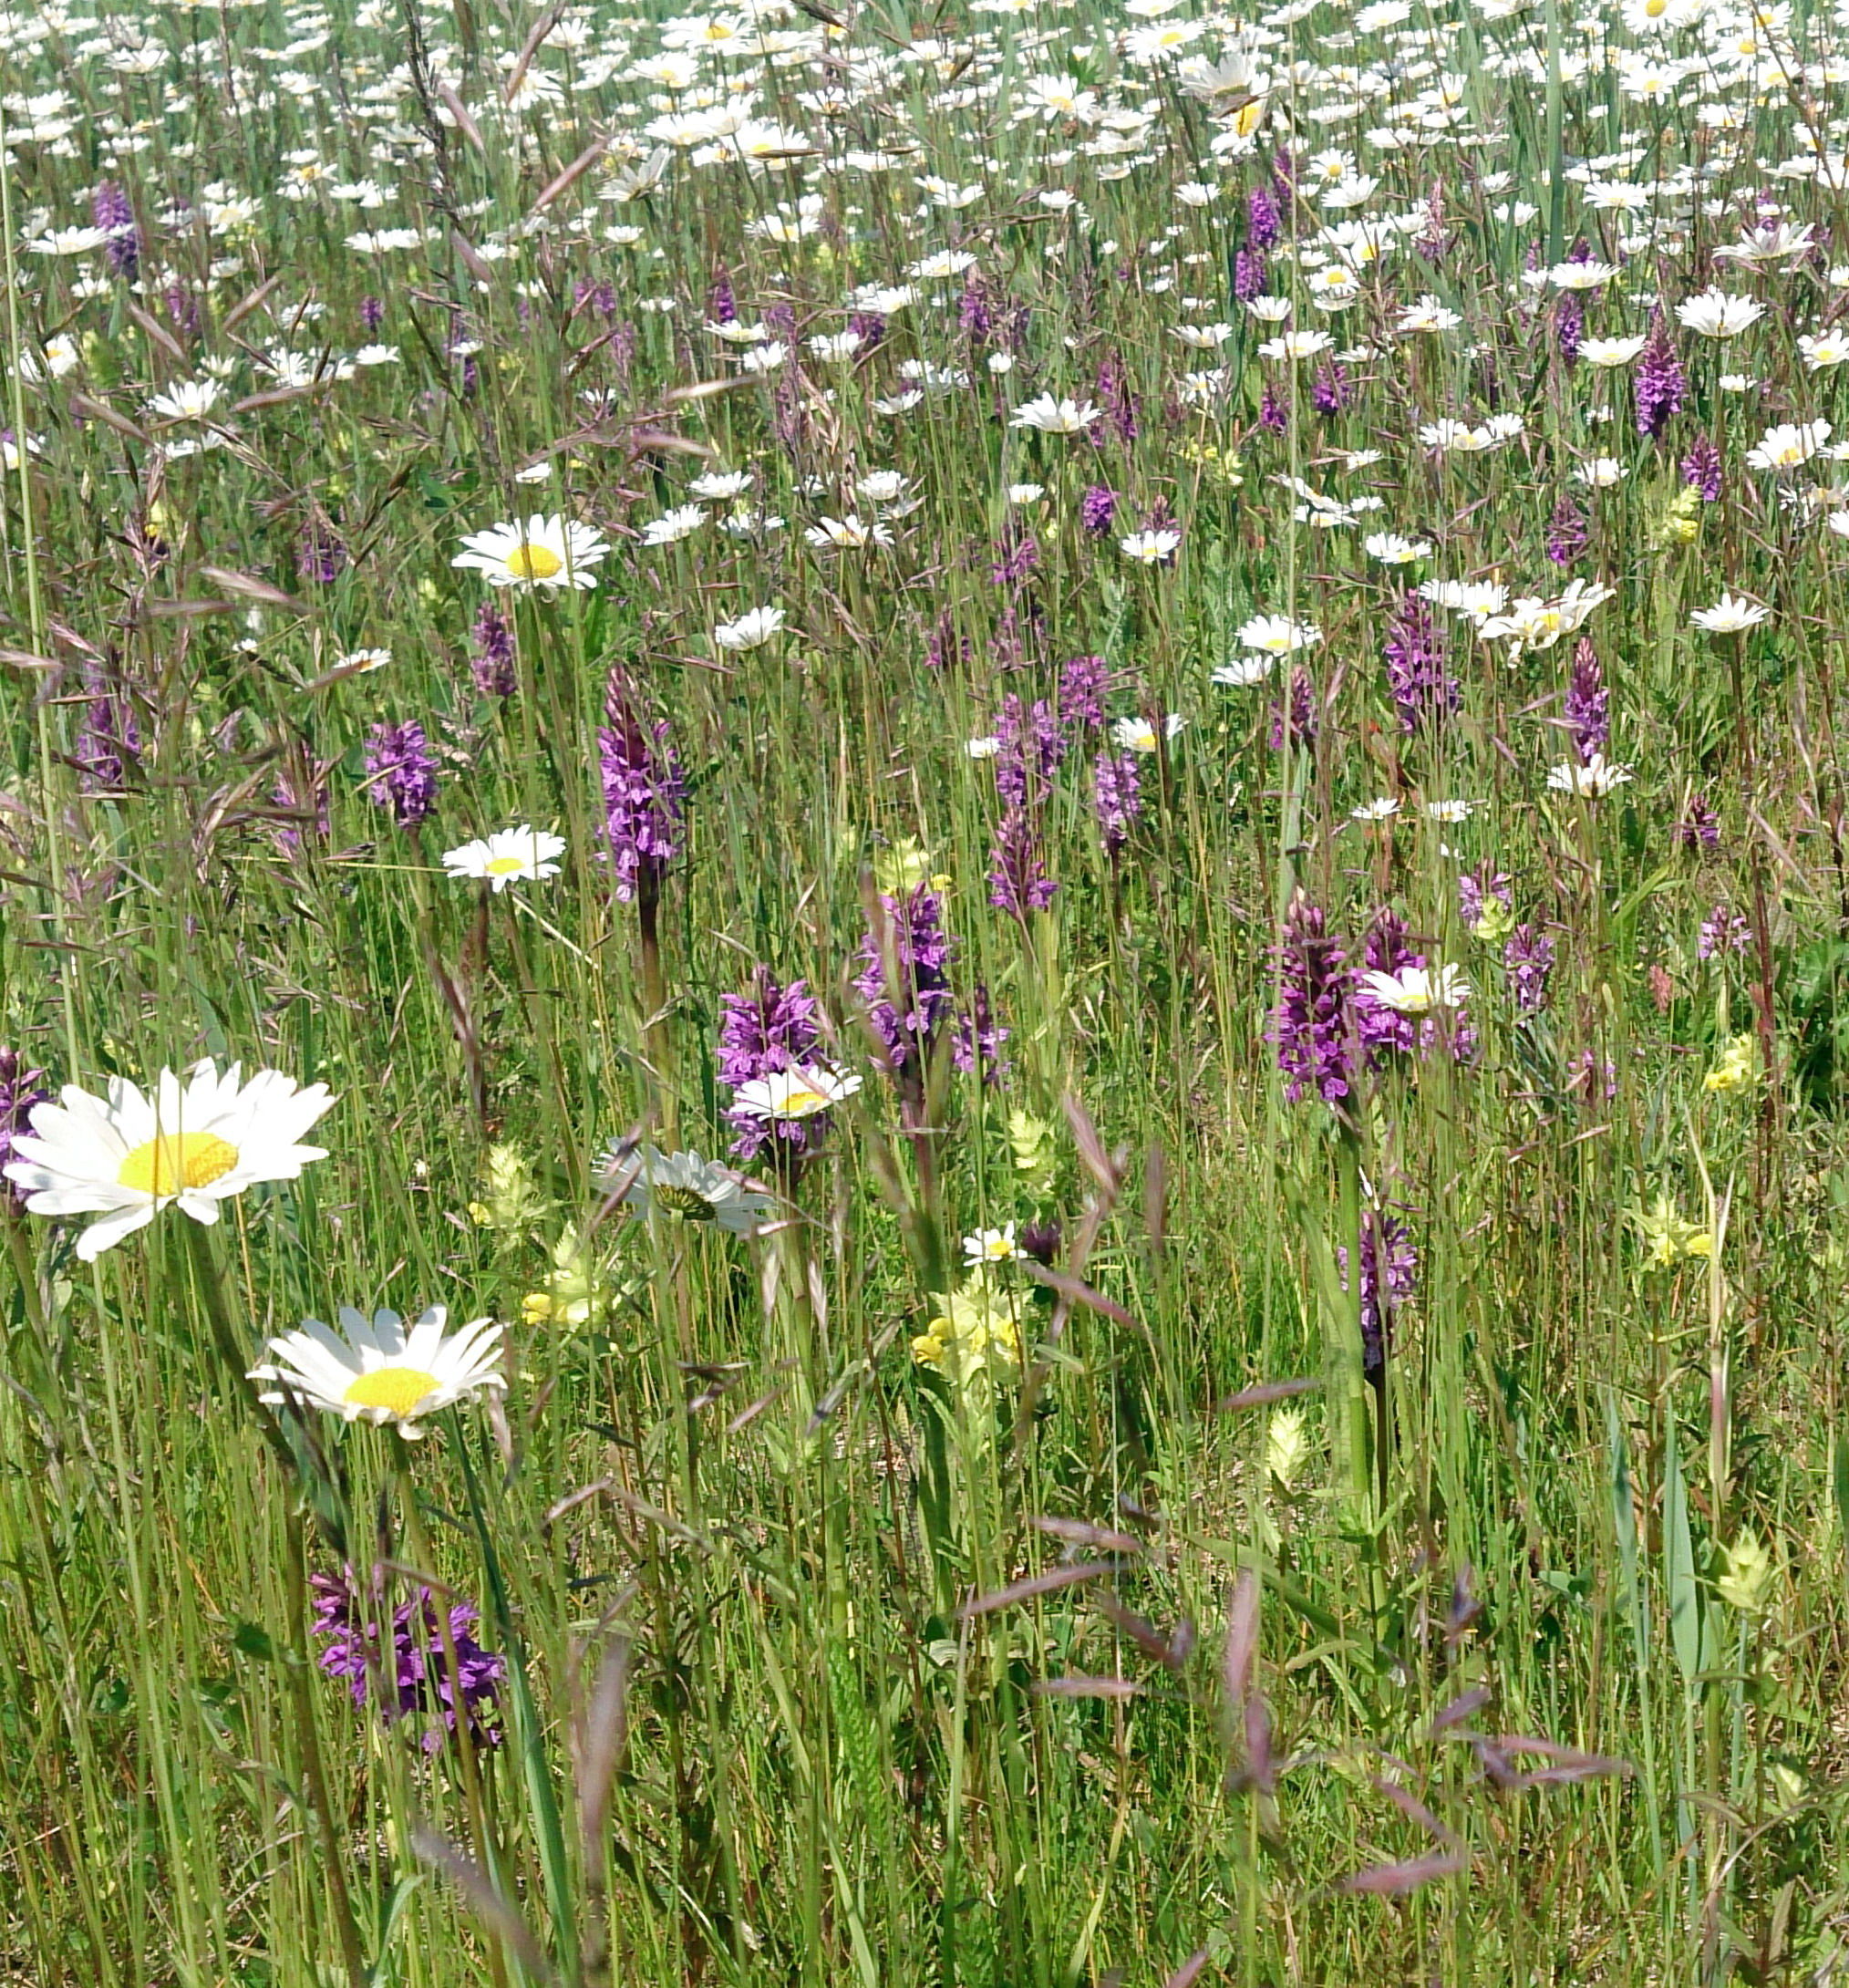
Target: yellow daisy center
[[397, 1390], [534, 562], [504, 866], [176, 1161], [799, 1103]]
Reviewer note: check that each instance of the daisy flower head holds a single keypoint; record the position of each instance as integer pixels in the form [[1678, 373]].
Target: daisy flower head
[[1245, 672], [1732, 614], [1138, 734], [1391, 550], [848, 534], [650, 1182], [509, 855], [1789, 445], [545, 553], [1581, 276], [374, 1370], [1595, 777], [1296, 345], [1609, 353], [1157, 548], [1051, 416], [127, 1156], [988, 1246], [1417, 991], [1824, 350], [787, 1095], [752, 630], [1278, 635], [1715, 314]]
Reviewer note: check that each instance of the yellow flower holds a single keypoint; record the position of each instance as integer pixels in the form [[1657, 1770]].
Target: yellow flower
[[1681, 523], [510, 1200], [899, 869], [1738, 1066], [576, 1290], [1667, 1238], [1745, 1575], [1496, 923], [977, 1333], [1031, 1141], [1286, 1444]]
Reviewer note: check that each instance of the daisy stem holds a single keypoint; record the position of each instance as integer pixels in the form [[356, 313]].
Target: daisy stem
[[423, 1559], [314, 1770], [209, 1282]]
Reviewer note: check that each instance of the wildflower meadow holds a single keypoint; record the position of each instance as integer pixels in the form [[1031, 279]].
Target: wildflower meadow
[[923, 993]]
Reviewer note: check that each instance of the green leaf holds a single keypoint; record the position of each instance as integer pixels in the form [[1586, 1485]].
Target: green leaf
[[1679, 1567], [255, 1643]]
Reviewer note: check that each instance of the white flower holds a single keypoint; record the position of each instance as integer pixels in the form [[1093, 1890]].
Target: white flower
[[881, 487], [1244, 671], [1788, 445], [68, 242], [1824, 350], [1450, 811], [1581, 276], [987, 747], [1202, 338], [1138, 734], [509, 855], [1730, 614], [788, 1094], [1391, 550], [719, 486], [1026, 493], [1052, 417], [1596, 776], [1602, 472], [1427, 315], [848, 534], [1713, 314], [1278, 635], [548, 553], [129, 1156], [362, 662], [1296, 345], [672, 526], [1381, 810], [1612, 352], [834, 348], [993, 1245], [750, 631], [187, 400], [764, 358], [1417, 991], [683, 1184], [378, 1373], [1150, 548], [940, 267]]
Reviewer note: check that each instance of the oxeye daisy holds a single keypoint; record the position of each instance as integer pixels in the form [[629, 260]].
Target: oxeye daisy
[[681, 1184], [752, 630], [790, 1094], [378, 1373], [128, 1156], [543, 552], [509, 855]]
